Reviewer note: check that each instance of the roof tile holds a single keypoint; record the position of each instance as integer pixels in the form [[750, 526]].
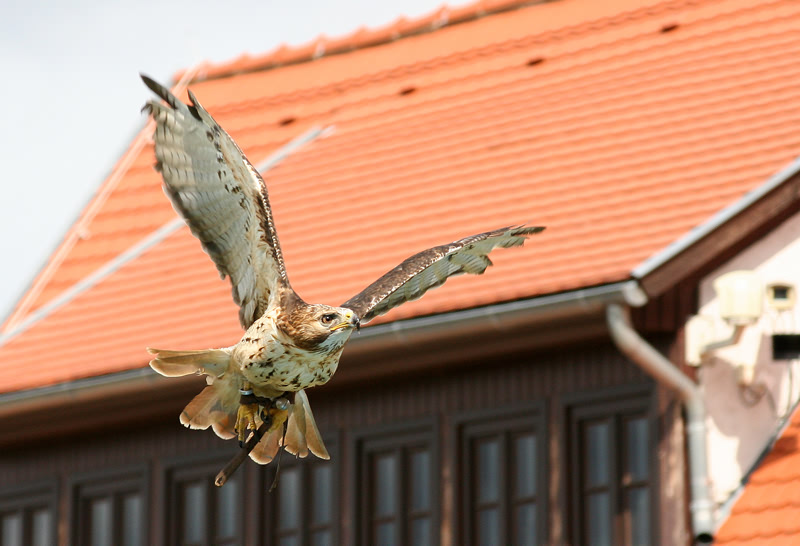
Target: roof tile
[[583, 116], [766, 513]]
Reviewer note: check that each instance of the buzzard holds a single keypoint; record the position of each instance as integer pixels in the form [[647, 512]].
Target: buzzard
[[256, 388]]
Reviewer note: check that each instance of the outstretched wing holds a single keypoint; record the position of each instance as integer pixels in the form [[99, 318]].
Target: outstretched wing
[[430, 268], [222, 198]]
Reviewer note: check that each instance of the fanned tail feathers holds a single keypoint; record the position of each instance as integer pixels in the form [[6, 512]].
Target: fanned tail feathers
[[216, 405], [213, 408], [267, 448], [302, 435], [311, 435]]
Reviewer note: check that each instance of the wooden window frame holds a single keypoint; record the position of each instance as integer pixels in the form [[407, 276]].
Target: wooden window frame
[[615, 404], [523, 417], [203, 467], [28, 498], [269, 501], [107, 482], [369, 440]]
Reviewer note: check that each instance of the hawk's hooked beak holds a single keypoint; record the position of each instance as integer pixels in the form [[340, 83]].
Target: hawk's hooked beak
[[351, 321]]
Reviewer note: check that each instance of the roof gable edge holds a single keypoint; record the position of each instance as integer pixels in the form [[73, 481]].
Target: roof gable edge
[[20, 309], [19, 326], [779, 194]]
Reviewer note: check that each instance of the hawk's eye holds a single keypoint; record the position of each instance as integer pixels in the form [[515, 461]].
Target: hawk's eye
[[328, 318]]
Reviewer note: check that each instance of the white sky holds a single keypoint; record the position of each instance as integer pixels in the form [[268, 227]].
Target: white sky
[[70, 92]]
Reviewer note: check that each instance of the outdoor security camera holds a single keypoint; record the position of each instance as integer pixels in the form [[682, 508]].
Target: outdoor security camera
[[740, 295], [781, 296]]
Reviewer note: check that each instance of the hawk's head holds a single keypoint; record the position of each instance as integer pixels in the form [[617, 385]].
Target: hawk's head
[[320, 328]]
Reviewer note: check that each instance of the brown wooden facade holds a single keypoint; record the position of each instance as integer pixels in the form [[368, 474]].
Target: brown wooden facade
[[537, 445]]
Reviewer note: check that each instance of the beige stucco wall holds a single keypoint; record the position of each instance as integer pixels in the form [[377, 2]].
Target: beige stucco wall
[[742, 420]]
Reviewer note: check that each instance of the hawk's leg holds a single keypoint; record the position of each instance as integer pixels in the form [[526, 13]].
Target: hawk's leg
[[273, 415], [275, 412], [246, 416]]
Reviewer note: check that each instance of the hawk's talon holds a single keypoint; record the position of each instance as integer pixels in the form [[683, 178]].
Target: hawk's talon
[[246, 420]]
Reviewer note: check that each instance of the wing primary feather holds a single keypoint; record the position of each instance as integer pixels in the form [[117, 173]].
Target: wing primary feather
[[167, 95], [432, 267], [221, 196]]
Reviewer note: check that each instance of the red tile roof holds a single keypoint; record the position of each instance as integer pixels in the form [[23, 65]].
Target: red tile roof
[[766, 513], [620, 127]]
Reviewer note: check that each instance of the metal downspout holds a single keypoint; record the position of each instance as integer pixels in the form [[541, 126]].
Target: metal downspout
[[654, 363]]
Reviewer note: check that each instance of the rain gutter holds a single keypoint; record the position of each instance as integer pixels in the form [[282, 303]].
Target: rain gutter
[[498, 317]]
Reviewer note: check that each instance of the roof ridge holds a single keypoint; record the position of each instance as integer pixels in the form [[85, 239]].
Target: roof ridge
[[401, 27], [336, 87], [362, 37]]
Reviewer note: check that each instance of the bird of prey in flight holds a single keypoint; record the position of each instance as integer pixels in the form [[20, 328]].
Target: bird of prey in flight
[[256, 387]]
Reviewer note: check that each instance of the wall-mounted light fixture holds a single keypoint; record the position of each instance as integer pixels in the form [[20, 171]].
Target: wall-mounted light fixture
[[740, 302]]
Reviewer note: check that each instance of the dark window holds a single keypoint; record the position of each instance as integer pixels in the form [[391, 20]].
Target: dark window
[[398, 486], [198, 512], [28, 516], [612, 470], [302, 509], [108, 508], [503, 485]]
